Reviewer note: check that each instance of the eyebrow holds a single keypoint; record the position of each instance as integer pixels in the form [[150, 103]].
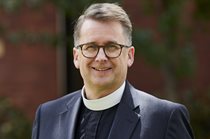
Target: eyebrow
[[108, 42]]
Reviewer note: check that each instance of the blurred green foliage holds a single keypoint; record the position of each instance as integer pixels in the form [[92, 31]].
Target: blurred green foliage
[[198, 106], [13, 123], [202, 9], [173, 53], [11, 5]]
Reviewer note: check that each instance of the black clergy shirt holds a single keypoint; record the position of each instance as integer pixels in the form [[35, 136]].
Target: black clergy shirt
[[91, 124]]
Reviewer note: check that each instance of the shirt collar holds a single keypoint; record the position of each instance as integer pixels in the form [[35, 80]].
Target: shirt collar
[[104, 102]]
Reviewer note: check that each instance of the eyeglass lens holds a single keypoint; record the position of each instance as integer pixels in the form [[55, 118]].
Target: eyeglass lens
[[110, 50]]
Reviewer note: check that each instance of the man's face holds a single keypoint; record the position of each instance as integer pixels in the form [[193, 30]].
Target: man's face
[[102, 72]]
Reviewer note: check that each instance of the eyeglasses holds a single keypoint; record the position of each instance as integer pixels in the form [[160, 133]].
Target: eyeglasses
[[111, 50]]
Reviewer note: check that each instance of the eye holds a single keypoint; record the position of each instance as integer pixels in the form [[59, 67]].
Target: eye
[[112, 47], [90, 47]]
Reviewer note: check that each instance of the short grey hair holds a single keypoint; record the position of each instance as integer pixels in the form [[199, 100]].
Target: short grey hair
[[105, 12]]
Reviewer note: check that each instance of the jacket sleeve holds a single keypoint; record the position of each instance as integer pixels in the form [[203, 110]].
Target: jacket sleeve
[[178, 124], [36, 124]]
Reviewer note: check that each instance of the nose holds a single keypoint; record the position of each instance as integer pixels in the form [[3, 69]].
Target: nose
[[101, 56]]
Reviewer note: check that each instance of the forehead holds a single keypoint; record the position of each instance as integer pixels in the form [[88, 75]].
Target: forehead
[[101, 32]]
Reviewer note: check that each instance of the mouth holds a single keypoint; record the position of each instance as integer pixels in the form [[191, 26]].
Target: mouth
[[101, 69]]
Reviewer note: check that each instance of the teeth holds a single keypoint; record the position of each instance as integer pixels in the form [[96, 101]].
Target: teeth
[[101, 69]]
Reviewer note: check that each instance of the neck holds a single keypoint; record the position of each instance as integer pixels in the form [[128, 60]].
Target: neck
[[99, 92]]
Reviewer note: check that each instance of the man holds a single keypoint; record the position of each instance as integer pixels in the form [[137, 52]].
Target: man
[[108, 107]]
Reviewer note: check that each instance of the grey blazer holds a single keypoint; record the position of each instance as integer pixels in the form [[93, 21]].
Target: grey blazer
[[139, 116]]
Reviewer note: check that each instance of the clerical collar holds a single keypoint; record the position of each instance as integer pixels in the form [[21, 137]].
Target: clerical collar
[[104, 102]]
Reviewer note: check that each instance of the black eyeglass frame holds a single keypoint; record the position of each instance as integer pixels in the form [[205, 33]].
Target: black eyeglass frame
[[103, 47]]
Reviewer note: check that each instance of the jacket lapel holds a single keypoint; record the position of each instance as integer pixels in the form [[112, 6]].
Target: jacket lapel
[[68, 118], [127, 116]]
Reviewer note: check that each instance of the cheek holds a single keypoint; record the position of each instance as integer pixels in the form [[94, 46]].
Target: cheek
[[84, 65], [122, 65], [124, 60], [82, 69], [121, 70], [80, 62]]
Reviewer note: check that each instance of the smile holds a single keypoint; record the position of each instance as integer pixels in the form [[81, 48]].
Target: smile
[[101, 69]]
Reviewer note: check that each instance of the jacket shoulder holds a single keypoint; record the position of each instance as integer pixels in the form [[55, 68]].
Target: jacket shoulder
[[60, 104], [154, 104], [173, 117]]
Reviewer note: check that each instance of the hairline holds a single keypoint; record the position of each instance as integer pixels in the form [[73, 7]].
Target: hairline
[[100, 12], [77, 34]]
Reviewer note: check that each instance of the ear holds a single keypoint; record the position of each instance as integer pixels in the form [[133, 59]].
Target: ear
[[131, 53], [76, 57]]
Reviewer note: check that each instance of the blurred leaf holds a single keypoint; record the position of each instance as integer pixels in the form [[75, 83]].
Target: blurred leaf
[[202, 9], [154, 53], [198, 104], [74, 9], [10, 5], [13, 124]]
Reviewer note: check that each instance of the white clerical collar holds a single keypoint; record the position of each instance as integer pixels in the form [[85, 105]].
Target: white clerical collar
[[104, 102]]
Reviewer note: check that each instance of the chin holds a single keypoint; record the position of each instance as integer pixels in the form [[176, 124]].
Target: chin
[[102, 82]]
